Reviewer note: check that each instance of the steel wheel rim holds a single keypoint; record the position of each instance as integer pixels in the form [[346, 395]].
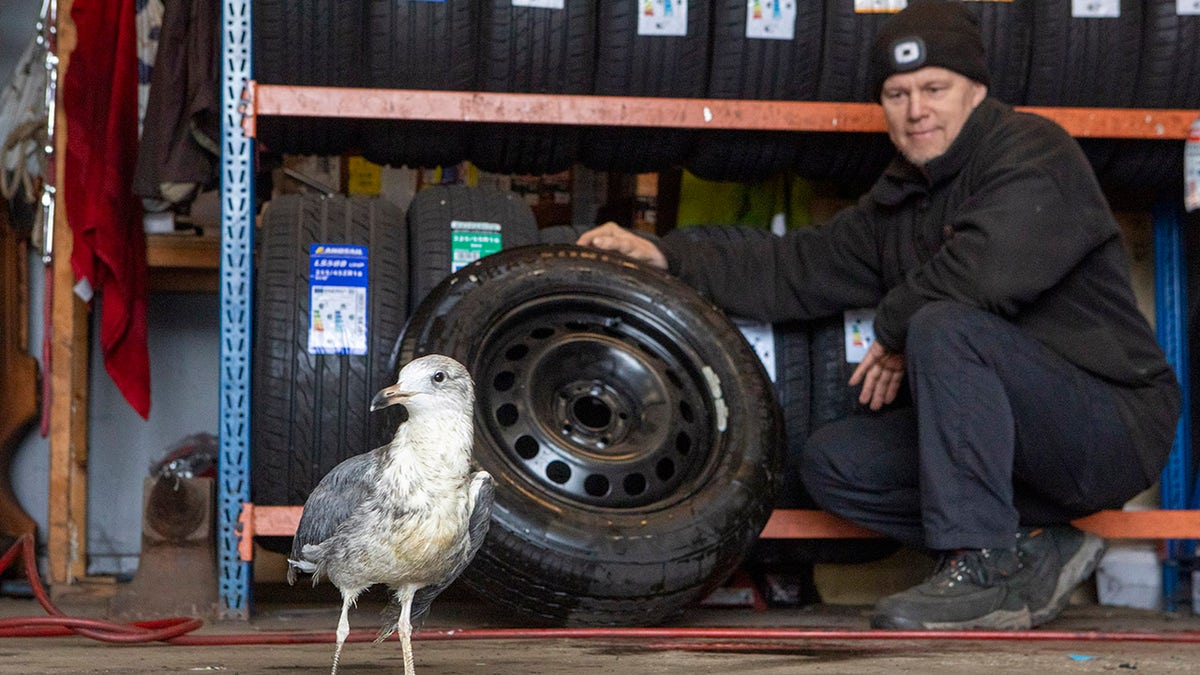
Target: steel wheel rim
[[596, 403]]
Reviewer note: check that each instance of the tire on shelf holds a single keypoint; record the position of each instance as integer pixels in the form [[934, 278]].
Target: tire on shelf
[[533, 50], [1086, 62], [852, 161], [310, 411], [1168, 77], [431, 225], [562, 234], [1007, 31], [630, 64], [759, 69], [832, 399], [628, 426], [420, 45], [310, 43]]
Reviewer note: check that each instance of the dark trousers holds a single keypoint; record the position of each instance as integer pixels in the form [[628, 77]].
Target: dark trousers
[[1001, 432]]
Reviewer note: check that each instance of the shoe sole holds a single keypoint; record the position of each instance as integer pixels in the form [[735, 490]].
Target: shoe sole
[[1079, 567], [1000, 619]]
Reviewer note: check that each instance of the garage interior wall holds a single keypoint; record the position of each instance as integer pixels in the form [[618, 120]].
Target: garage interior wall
[[184, 362]]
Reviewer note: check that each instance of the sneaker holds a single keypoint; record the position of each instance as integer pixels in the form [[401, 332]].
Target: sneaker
[[1054, 560], [969, 589]]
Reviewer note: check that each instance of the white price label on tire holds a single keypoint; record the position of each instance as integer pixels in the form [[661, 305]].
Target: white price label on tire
[[1095, 9], [761, 337], [1191, 168], [544, 4], [771, 19], [1187, 7], [879, 6], [662, 17], [859, 325]]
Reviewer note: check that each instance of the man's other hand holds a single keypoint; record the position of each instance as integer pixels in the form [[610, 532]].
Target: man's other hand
[[880, 372]]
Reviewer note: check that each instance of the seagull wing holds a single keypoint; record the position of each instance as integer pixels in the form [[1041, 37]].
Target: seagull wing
[[333, 501], [477, 529]]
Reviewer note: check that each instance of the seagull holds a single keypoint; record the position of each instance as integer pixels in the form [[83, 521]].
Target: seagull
[[409, 514]]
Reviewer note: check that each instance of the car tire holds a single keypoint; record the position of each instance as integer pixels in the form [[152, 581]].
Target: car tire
[[310, 411], [629, 428]]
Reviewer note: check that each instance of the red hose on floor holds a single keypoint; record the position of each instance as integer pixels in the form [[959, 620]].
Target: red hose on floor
[[61, 624], [174, 631]]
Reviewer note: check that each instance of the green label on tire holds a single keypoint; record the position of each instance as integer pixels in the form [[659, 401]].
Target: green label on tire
[[470, 241]]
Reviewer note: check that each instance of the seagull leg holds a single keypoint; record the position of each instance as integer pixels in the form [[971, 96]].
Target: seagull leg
[[404, 625], [343, 629]]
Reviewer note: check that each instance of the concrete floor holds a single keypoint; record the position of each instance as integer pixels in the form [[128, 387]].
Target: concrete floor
[[303, 611]]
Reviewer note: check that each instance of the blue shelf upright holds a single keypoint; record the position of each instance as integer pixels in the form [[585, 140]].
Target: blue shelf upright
[[237, 294], [1170, 308]]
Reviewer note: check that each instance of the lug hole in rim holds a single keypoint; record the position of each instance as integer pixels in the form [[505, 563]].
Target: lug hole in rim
[[683, 444], [507, 415], [504, 380], [665, 469], [526, 447], [596, 485], [634, 484], [558, 472]]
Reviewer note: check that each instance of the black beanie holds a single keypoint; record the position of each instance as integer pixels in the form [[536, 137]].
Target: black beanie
[[929, 33]]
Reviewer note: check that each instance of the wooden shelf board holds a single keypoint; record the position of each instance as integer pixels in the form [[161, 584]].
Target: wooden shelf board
[[183, 251]]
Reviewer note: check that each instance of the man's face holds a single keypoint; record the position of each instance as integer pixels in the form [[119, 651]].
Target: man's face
[[926, 108]]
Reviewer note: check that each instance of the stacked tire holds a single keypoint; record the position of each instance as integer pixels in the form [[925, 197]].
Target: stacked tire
[[758, 67], [310, 411], [310, 43], [420, 45], [533, 50], [632, 63]]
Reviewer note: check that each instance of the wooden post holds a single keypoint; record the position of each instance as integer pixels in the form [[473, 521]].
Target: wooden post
[[67, 522], [18, 373]]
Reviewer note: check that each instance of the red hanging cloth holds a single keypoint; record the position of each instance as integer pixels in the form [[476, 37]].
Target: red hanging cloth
[[100, 104]]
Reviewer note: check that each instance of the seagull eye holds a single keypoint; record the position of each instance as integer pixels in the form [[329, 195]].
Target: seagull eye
[[439, 377]]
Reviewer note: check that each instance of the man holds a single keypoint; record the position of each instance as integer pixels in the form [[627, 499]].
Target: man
[[1015, 386]]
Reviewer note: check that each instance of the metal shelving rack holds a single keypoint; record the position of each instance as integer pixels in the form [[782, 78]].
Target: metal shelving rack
[[241, 101]]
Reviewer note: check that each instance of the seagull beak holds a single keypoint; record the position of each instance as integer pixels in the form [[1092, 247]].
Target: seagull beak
[[389, 396]]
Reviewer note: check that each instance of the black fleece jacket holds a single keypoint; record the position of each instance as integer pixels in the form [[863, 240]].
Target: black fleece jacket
[[1010, 219]]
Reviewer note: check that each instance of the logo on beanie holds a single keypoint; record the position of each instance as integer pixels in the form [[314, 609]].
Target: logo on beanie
[[908, 53]]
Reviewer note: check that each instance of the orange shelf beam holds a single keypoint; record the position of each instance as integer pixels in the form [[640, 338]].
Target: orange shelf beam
[[281, 521], [630, 111], [1149, 524]]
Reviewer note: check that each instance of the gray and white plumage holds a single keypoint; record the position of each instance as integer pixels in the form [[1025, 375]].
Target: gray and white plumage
[[409, 514]]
